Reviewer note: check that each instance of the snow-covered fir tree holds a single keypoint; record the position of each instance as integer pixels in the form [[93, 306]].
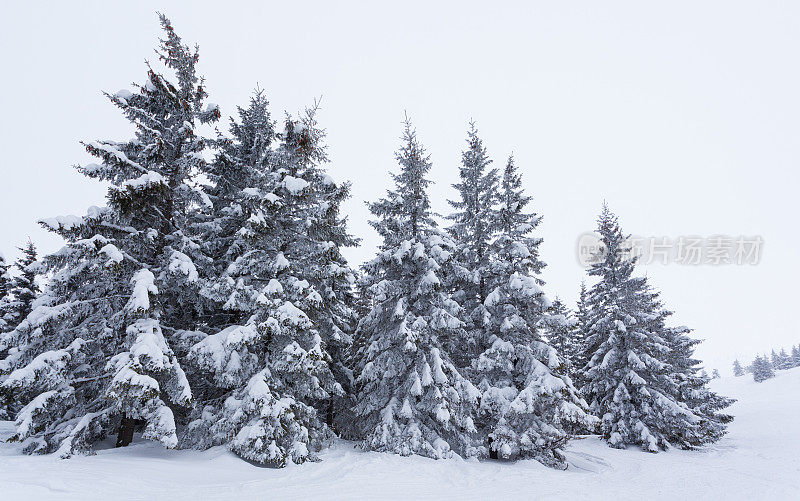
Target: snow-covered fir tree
[[796, 356], [737, 368], [580, 356], [94, 355], [785, 361], [318, 255], [24, 288], [472, 231], [775, 360], [762, 369], [6, 314], [6, 323], [16, 303], [281, 299], [640, 373], [411, 398], [715, 374], [528, 402], [558, 326], [692, 384]]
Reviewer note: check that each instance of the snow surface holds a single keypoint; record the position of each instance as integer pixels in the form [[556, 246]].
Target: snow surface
[[758, 459]]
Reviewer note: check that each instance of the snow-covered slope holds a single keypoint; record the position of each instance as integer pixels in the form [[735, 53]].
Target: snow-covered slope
[[759, 459]]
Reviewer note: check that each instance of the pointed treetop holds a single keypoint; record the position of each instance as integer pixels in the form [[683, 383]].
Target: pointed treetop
[[475, 155], [615, 262], [405, 212], [181, 58], [255, 129], [513, 220]]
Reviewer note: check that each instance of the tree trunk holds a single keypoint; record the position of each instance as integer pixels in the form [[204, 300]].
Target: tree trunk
[[329, 413], [492, 452], [125, 433]]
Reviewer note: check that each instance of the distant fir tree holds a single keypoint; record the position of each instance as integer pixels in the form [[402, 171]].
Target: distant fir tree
[[6, 282], [15, 305], [580, 354], [528, 404], [24, 288], [92, 357], [282, 296], [558, 326], [472, 231], [776, 360], [762, 369], [785, 361], [6, 323], [641, 374], [737, 368], [411, 398], [796, 356], [715, 374]]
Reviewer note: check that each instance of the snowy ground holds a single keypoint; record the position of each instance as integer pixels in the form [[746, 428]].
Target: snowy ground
[[759, 459]]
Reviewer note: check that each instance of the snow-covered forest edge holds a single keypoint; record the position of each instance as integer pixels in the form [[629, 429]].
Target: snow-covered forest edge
[[206, 315], [757, 460]]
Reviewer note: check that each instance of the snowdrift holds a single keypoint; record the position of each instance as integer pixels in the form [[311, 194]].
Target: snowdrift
[[758, 459]]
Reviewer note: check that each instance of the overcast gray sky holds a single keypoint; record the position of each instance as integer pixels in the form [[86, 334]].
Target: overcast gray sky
[[682, 115]]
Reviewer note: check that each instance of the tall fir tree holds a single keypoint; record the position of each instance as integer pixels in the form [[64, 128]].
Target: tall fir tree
[[640, 373], [282, 297], [528, 402], [92, 357], [472, 231], [411, 398]]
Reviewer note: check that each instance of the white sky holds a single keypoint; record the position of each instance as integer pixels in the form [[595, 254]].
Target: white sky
[[684, 116]]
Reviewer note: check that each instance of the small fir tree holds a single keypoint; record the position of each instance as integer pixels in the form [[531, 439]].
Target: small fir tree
[[776, 360], [580, 330], [6, 281], [692, 385], [24, 288], [785, 361], [762, 369], [558, 325]]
